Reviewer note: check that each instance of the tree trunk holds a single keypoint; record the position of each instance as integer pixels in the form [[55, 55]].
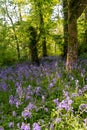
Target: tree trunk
[[65, 12], [72, 42], [17, 46], [19, 11], [44, 47], [42, 31], [33, 45], [85, 36], [15, 36], [34, 55], [75, 9]]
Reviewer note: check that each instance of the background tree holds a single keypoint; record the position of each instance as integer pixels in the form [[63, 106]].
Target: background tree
[[42, 28], [43, 18], [13, 27]]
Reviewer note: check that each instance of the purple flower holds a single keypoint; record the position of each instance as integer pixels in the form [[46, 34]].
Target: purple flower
[[18, 103], [30, 107], [11, 100], [51, 85], [65, 93], [84, 88], [46, 109], [56, 101], [4, 86], [69, 102], [57, 120], [18, 125], [43, 98], [17, 84], [25, 126], [85, 121], [36, 126], [77, 82], [51, 126], [37, 90], [26, 114], [74, 95], [19, 91], [80, 92], [13, 113], [64, 104], [83, 107], [1, 128], [11, 124]]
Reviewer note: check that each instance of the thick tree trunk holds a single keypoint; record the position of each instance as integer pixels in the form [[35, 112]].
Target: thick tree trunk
[[72, 43], [75, 9], [34, 54], [33, 45]]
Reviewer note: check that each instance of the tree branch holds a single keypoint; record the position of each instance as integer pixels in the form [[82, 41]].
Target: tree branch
[[77, 7]]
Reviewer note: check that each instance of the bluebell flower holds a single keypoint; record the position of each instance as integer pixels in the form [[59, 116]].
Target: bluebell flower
[[36, 126], [11, 124], [25, 126], [11, 100], [1, 128], [56, 101], [83, 107], [26, 114]]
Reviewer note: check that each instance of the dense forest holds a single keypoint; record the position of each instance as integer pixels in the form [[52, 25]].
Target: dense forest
[[33, 29], [43, 65]]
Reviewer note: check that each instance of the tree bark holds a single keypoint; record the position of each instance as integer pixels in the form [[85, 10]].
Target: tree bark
[[33, 45], [72, 45], [44, 47], [42, 30], [65, 26], [75, 9]]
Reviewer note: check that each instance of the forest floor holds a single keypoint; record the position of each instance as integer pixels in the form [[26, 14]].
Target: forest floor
[[43, 97]]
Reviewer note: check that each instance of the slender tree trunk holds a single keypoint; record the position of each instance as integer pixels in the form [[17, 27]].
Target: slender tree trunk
[[65, 12], [44, 47], [15, 36], [42, 31], [19, 11], [72, 43], [17, 46]]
